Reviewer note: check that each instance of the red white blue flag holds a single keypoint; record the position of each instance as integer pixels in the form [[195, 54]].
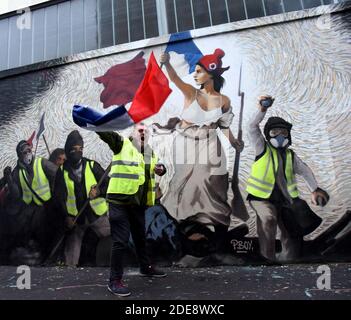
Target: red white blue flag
[[148, 99]]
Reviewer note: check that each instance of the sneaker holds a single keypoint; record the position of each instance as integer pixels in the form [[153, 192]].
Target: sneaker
[[150, 271], [117, 288]]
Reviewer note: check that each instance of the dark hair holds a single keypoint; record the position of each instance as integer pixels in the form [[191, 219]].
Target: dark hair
[[218, 80], [55, 154]]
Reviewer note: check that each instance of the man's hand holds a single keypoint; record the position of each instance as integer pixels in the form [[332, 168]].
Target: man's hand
[[70, 223], [239, 145], [94, 192], [7, 173], [261, 102], [160, 169], [320, 197]]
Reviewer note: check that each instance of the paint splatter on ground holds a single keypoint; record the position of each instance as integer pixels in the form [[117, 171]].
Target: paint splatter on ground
[[216, 283]]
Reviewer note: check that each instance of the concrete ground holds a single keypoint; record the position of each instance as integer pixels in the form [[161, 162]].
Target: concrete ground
[[216, 283]]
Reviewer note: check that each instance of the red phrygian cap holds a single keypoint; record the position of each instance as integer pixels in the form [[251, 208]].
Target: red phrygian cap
[[213, 62]]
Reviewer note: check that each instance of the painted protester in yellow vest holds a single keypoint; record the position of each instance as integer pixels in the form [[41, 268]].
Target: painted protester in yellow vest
[[272, 187], [83, 204], [130, 192], [33, 178], [31, 221]]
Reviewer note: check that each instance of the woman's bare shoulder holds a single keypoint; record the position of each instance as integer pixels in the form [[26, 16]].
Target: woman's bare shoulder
[[226, 103], [189, 91]]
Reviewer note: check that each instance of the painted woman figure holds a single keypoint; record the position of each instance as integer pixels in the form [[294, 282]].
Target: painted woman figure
[[197, 193]]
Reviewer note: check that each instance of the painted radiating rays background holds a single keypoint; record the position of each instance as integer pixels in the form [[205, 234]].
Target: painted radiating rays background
[[306, 67]]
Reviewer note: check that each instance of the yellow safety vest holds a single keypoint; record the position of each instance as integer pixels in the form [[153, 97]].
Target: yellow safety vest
[[128, 173], [40, 184], [151, 191], [98, 205], [261, 182]]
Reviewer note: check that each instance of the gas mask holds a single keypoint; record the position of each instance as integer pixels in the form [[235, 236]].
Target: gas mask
[[27, 159], [25, 154], [279, 137]]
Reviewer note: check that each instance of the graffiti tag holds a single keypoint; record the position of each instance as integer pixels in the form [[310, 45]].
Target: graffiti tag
[[242, 246]]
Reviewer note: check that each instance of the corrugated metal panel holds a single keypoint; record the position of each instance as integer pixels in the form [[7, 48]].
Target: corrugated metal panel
[[75, 26]]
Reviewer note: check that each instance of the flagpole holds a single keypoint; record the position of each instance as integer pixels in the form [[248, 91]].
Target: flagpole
[[46, 144], [36, 147], [40, 131]]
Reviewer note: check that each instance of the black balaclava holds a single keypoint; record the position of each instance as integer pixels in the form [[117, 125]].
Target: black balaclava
[[74, 139], [277, 122], [24, 158]]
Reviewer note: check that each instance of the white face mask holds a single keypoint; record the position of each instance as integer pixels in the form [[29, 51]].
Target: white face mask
[[279, 141], [27, 159]]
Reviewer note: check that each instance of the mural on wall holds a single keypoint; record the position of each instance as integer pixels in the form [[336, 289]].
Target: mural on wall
[[197, 218]]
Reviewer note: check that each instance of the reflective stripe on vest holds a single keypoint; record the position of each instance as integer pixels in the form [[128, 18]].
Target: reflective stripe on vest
[[128, 172], [40, 184], [27, 195], [290, 176], [151, 192], [98, 205], [262, 180]]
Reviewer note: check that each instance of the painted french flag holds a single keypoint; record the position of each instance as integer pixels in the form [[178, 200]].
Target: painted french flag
[[148, 100], [121, 81], [182, 43], [90, 119]]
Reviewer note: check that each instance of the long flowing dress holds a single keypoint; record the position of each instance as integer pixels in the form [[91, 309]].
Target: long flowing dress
[[198, 189]]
